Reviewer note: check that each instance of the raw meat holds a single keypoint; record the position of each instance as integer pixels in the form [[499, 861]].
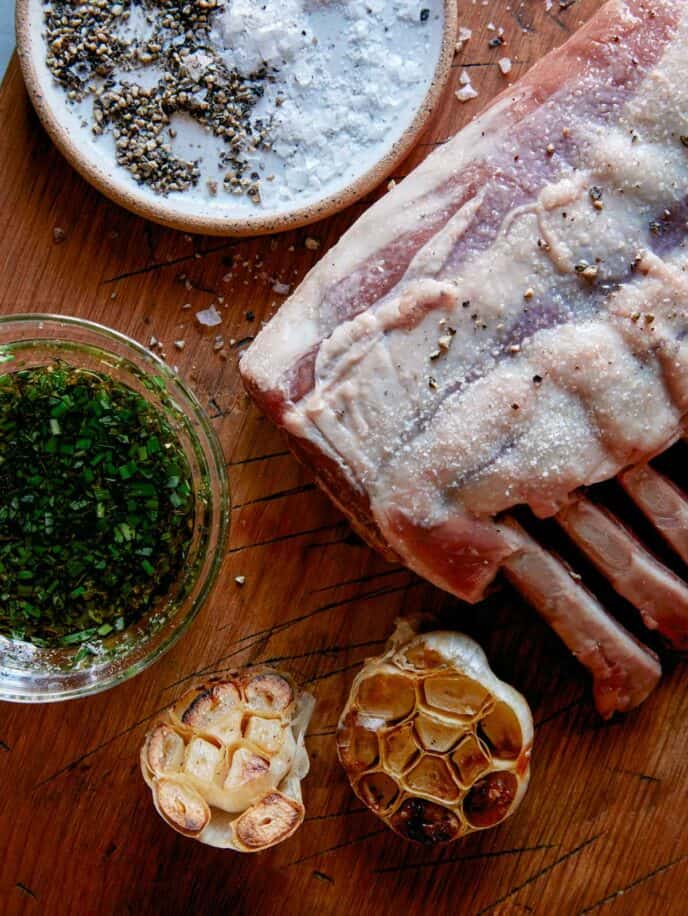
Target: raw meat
[[511, 322]]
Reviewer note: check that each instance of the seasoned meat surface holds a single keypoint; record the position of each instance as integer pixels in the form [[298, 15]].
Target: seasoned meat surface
[[510, 322]]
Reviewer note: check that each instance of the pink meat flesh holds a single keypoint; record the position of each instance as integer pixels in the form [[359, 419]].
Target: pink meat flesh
[[510, 323]]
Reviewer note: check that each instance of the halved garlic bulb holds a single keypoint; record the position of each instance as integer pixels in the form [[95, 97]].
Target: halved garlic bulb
[[432, 741], [225, 762]]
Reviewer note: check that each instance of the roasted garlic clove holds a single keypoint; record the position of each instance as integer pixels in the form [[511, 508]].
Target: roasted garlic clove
[[225, 762], [432, 741]]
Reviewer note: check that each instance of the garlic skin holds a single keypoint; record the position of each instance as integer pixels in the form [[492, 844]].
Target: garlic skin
[[225, 762], [432, 741]]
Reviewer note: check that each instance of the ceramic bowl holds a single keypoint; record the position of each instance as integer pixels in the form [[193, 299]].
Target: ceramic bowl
[[220, 215]]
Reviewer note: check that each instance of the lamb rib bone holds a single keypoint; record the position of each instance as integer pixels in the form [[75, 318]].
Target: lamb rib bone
[[624, 671], [638, 576], [662, 502]]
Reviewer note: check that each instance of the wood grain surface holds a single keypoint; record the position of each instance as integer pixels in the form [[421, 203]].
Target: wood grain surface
[[602, 829]]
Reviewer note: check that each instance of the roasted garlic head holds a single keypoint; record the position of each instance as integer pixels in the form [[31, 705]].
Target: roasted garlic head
[[432, 741], [225, 762]]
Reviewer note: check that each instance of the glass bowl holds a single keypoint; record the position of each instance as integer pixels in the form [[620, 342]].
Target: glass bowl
[[29, 674]]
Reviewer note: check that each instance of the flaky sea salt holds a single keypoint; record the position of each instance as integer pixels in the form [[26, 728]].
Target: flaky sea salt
[[209, 317], [463, 36], [504, 65], [261, 33], [466, 90], [344, 75], [466, 93]]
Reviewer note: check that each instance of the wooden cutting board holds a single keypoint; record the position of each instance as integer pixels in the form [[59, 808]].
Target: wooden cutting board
[[602, 828]]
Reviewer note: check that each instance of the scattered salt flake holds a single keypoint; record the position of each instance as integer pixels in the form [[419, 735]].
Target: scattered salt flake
[[187, 305], [466, 93], [391, 184], [282, 289], [209, 317], [180, 344], [312, 244], [240, 580], [464, 36], [465, 78], [491, 27], [505, 65]]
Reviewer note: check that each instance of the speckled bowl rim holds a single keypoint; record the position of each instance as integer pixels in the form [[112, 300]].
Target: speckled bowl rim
[[162, 212]]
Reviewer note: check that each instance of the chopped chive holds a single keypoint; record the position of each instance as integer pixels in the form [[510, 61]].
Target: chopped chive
[[127, 470], [74, 638], [86, 543]]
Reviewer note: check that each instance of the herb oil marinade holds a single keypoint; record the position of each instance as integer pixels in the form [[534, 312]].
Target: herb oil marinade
[[96, 505]]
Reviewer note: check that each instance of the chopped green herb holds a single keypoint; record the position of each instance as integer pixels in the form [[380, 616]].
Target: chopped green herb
[[97, 509]]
